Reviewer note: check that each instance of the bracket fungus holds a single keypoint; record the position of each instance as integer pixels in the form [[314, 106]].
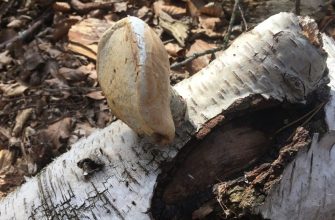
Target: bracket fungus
[[133, 71]]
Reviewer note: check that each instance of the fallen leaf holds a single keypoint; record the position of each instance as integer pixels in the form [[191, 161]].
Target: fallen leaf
[[13, 170], [96, 95], [157, 6], [174, 11], [5, 58], [85, 35], [212, 9], [71, 75], [14, 89], [194, 7], [210, 23], [6, 160], [20, 120], [174, 50], [15, 23], [57, 134], [83, 129], [32, 60], [142, 12], [120, 6], [177, 29], [61, 6], [47, 47], [104, 117], [199, 63]]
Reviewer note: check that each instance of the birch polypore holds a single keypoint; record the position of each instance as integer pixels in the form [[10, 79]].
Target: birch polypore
[[274, 60], [133, 71]]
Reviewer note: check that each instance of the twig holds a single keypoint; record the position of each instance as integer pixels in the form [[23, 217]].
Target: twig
[[231, 23], [86, 7], [29, 33], [195, 56], [317, 109], [297, 7], [211, 51], [243, 18], [310, 114]]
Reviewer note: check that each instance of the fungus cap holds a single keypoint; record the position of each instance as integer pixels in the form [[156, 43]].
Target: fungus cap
[[133, 72]]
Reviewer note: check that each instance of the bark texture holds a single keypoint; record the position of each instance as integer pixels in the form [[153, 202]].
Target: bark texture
[[117, 172], [307, 186]]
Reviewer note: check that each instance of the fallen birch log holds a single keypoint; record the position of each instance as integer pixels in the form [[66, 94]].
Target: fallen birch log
[[112, 174], [306, 190]]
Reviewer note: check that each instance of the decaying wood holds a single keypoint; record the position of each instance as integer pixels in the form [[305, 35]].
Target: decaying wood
[[120, 169], [306, 188]]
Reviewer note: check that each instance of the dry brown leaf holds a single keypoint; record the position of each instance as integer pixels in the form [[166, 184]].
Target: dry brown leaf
[[212, 9], [209, 23], [47, 47], [15, 23], [5, 58], [142, 12], [20, 120], [96, 95], [61, 6], [103, 117], [6, 160], [32, 59], [157, 6], [13, 170], [89, 70], [84, 36], [71, 75], [174, 50], [14, 89], [57, 134], [199, 63], [174, 27], [194, 7], [83, 129], [174, 11], [62, 25], [120, 6], [57, 83]]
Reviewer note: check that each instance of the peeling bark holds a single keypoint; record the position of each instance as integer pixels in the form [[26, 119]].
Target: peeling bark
[[307, 186], [275, 61]]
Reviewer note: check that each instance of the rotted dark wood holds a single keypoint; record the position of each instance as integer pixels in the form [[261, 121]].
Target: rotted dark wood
[[244, 138]]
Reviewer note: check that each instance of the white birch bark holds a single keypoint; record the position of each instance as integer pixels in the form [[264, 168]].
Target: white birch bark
[[307, 190], [274, 60]]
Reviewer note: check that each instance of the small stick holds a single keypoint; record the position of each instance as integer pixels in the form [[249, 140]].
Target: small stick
[[317, 109], [231, 22], [25, 35], [211, 51], [310, 114], [243, 18], [195, 56]]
